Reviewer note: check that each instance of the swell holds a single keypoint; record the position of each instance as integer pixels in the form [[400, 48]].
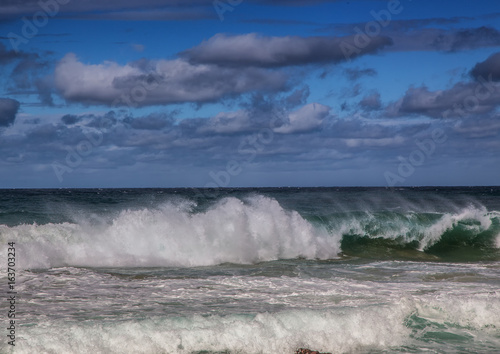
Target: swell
[[250, 230]]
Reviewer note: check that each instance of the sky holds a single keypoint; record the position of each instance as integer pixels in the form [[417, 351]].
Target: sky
[[249, 93]]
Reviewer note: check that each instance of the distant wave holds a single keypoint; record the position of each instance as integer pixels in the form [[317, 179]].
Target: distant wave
[[255, 229]]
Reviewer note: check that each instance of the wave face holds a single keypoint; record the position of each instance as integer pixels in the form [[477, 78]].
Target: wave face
[[471, 233], [247, 228]]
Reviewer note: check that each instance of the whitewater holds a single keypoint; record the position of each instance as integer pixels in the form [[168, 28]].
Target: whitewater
[[262, 270]]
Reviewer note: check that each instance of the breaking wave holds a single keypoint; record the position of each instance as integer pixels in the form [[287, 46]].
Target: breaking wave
[[250, 230]]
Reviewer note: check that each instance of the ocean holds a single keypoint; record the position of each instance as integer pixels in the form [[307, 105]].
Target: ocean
[[251, 270]]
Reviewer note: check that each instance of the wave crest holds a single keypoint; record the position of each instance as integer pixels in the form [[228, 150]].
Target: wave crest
[[235, 231]]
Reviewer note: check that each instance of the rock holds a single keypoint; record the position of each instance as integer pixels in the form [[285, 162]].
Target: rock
[[308, 351]]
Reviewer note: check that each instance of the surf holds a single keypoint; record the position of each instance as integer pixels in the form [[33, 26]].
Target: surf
[[251, 229]]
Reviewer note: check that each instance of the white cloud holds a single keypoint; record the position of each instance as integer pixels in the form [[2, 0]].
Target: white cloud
[[158, 82], [307, 118], [227, 122]]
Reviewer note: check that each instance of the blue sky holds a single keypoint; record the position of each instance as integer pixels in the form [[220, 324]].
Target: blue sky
[[195, 93]]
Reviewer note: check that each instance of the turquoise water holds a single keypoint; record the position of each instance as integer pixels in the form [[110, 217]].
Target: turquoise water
[[268, 270]]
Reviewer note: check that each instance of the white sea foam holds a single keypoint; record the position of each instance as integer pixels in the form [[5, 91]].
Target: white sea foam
[[172, 235], [338, 331], [383, 326]]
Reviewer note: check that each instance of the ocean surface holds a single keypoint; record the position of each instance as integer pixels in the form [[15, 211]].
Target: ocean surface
[[262, 270]]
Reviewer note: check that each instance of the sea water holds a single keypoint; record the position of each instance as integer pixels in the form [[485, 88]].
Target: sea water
[[267, 270]]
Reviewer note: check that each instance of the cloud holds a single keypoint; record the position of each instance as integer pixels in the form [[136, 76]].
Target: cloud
[[445, 40], [8, 56], [478, 127], [149, 148], [355, 73], [70, 119], [488, 68], [174, 14], [150, 122], [26, 68], [263, 51], [371, 102], [297, 97], [306, 119], [113, 9], [463, 99], [398, 25], [135, 9], [8, 111], [227, 123], [469, 38], [158, 82], [25, 76]]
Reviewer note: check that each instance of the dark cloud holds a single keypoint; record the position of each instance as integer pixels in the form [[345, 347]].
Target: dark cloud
[[461, 100], [135, 10], [263, 51], [45, 89], [8, 111], [449, 40], [490, 68], [26, 69], [25, 74], [371, 102], [105, 121], [125, 10], [398, 25], [150, 122], [297, 97], [478, 127], [153, 15], [469, 38], [356, 73], [416, 35], [112, 9], [351, 91], [70, 119], [8, 56]]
